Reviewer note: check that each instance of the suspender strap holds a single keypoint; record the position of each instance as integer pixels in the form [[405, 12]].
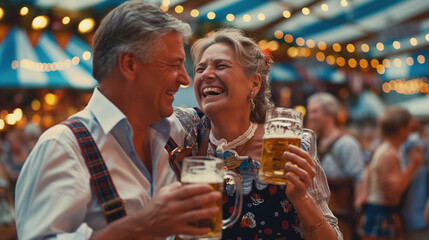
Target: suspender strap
[[176, 155], [111, 204]]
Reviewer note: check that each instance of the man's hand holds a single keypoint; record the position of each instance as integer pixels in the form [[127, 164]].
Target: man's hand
[[175, 206]]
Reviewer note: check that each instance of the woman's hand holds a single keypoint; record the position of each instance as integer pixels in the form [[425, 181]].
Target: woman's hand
[[301, 170]]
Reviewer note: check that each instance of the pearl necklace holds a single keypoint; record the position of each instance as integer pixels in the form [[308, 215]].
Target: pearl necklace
[[222, 145]]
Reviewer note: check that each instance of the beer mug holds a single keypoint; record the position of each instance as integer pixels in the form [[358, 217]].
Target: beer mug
[[201, 169], [283, 126]]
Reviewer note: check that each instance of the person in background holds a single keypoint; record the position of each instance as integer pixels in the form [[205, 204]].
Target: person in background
[[341, 159], [16, 152], [138, 62], [31, 134], [417, 193], [386, 180], [231, 86], [427, 213]]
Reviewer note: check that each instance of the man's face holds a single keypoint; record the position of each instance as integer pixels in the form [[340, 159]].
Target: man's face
[[316, 116], [159, 79]]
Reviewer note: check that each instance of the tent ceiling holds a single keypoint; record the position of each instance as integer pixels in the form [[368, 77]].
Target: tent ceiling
[[357, 22]]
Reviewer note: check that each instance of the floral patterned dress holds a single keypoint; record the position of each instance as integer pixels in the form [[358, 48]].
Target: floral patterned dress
[[267, 213]]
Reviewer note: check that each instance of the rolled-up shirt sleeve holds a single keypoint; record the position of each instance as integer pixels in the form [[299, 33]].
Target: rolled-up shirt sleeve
[[53, 190], [319, 190]]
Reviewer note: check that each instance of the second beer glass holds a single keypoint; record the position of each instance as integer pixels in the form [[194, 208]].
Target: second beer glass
[[283, 126], [210, 170]]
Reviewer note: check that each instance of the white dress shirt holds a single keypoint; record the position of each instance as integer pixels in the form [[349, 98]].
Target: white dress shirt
[[54, 197]]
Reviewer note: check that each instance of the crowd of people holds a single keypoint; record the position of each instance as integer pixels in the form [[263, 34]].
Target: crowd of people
[[105, 172]]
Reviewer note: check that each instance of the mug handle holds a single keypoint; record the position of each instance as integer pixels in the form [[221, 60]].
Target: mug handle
[[309, 144], [238, 201]]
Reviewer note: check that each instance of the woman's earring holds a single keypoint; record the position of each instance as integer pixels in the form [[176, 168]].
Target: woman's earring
[[252, 103]]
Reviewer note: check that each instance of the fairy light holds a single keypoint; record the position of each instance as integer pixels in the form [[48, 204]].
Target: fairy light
[[330, 60], [23, 11], [40, 22], [178, 9], [363, 63], [396, 45], [321, 45], [292, 52], [278, 34], [261, 17], [341, 61], [247, 18], [344, 3], [381, 69], [300, 41], [364, 47], [230, 17], [288, 38], [320, 56], [374, 63], [86, 25], [195, 13], [1, 13], [421, 59], [397, 62], [386, 63], [310, 43], [380, 46], [350, 47], [211, 15], [305, 10], [352, 63], [66, 20], [409, 61], [413, 41], [324, 7], [336, 47], [287, 14]]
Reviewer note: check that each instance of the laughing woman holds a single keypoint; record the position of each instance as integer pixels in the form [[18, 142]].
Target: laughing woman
[[231, 87]]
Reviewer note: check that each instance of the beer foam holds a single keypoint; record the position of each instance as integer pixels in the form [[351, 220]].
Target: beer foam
[[288, 134], [202, 177]]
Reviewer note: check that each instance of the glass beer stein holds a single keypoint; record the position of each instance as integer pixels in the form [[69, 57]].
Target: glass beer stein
[[283, 126], [201, 169]]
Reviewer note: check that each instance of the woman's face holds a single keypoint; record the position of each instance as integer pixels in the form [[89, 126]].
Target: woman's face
[[220, 82]]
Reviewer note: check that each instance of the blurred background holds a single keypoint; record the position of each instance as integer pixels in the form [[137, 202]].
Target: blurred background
[[371, 54]]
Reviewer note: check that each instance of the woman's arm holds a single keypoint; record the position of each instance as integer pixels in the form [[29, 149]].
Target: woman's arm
[[316, 219]]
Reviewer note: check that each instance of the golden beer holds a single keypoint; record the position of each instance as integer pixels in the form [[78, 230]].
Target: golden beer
[[272, 169], [214, 223]]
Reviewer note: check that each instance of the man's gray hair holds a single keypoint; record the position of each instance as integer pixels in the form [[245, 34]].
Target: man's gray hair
[[134, 27], [328, 102]]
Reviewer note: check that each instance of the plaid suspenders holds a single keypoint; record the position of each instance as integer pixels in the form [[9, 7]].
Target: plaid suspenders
[[111, 204]]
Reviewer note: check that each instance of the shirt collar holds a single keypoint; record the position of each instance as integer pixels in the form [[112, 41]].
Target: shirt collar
[[106, 113], [163, 127]]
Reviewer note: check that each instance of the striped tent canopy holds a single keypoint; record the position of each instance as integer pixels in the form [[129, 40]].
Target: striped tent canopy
[[46, 64]]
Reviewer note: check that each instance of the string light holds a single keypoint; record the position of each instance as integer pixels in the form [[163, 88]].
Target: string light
[[247, 18], [305, 10], [288, 38], [287, 14], [211, 15], [261, 17], [195, 13], [380, 46], [24, 11], [278, 34], [230, 17], [324, 7], [178, 9]]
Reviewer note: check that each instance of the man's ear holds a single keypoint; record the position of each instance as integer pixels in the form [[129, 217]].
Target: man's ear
[[126, 64], [256, 83]]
